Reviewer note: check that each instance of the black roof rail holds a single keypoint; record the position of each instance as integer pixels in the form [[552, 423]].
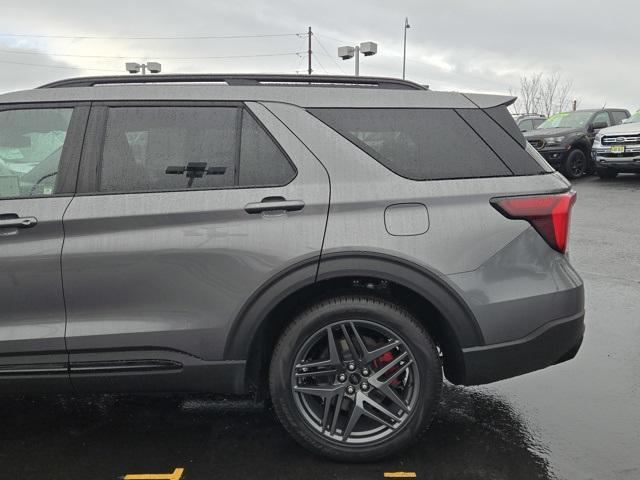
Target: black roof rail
[[241, 79]]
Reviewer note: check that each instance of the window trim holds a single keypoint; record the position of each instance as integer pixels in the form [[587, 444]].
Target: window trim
[[91, 162], [71, 150]]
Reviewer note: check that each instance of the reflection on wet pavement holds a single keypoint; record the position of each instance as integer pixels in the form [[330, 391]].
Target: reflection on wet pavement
[[474, 435]]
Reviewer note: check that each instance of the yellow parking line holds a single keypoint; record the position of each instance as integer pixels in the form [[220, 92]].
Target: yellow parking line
[[399, 474], [176, 475]]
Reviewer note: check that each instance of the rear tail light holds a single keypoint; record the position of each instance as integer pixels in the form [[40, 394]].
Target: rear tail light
[[548, 214]]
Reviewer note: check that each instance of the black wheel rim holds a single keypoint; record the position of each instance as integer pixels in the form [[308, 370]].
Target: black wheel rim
[[355, 382], [577, 165]]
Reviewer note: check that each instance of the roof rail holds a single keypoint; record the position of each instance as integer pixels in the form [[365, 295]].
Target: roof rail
[[242, 79]]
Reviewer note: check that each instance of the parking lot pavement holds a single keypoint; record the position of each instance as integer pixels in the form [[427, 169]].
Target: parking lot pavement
[[578, 420]]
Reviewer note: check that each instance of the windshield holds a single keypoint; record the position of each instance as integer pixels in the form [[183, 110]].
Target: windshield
[[567, 120]]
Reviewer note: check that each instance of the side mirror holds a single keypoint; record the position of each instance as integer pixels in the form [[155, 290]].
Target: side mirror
[[598, 126]]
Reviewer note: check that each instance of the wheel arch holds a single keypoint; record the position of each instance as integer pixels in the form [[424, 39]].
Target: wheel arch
[[425, 293]]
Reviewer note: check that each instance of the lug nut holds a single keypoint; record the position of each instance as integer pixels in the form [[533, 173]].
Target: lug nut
[[351, 367], [351, 390], [365, 372], [342, 378], [364, 386]]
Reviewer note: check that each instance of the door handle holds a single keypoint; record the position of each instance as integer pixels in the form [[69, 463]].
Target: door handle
[[17, 222], [274, 204]]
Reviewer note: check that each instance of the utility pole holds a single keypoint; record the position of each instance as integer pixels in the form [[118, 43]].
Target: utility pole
[[309, 52], [404, 53]]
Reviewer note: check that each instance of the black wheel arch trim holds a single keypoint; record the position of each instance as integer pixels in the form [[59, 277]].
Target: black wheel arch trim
[[432, 286], [426, 282]]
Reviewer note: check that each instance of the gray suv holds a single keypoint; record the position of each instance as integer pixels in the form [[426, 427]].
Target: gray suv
[[332, 243]]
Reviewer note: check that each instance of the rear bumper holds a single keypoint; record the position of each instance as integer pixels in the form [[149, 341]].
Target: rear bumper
[[552, 343]]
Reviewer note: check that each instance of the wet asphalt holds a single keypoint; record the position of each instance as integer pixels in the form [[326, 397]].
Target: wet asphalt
[[577, 420]]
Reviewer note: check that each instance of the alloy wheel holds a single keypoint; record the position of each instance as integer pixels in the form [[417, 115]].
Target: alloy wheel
[[355, 382]]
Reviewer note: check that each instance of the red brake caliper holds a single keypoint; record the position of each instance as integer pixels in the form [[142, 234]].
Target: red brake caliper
[[381, 361]]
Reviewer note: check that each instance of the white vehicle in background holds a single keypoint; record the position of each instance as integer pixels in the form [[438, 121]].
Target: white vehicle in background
[[617, 149]]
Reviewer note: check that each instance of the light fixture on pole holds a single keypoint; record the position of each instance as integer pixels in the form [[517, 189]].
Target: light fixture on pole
[[404, 53], [366, 48], [133, 67]]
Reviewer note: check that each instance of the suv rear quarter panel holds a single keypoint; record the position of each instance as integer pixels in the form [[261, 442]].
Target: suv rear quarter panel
[[469, 244]]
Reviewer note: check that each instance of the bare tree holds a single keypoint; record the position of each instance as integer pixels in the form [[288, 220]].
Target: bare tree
[[530, 92], [540, 93]]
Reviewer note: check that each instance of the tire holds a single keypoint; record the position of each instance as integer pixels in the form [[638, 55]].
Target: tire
[[604, 174], [398, 357], [575, 166]]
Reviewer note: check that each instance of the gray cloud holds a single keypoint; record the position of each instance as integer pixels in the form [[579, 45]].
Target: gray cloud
[[454, 44]]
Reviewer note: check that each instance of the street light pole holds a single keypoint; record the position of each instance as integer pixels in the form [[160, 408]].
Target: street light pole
[[366, 48], [133, 67], [404, 53]]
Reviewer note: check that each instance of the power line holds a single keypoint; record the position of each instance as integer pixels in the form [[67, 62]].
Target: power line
[[319, 63], [13, 52], [334, 39], [57, 66], [195, 37], [329, 55]]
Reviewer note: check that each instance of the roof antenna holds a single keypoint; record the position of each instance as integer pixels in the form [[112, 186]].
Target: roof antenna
[[604, 106]]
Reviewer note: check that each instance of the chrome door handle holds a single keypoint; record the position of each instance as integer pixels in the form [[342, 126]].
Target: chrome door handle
[[274, 204], [18, 222]]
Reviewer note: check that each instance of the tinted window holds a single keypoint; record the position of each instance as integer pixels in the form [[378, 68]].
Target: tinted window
[[261, 161], [31, 143], [504, 145], [502, 117], [618, 116], [419, 144], [145, 148]]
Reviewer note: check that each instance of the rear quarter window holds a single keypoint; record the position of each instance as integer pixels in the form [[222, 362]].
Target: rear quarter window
[[419, 144]]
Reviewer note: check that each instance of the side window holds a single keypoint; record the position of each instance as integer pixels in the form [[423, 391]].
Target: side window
[[602, 117], [168, 148], [261, 160], [618, 116], [31, 143], [419, 144]]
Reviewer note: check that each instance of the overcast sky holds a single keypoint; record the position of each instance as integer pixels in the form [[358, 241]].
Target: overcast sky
[[465, 45]]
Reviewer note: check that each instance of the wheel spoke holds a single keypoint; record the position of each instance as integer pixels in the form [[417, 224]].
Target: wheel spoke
[[356, 413], [322, 392], [361, 345], [352, 348], [387, 391], [398, 372], [336, 413], [315, 373], [334, 358], [389, 366], [325, 414], [317, 364], [380, 408], [382, 350]]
